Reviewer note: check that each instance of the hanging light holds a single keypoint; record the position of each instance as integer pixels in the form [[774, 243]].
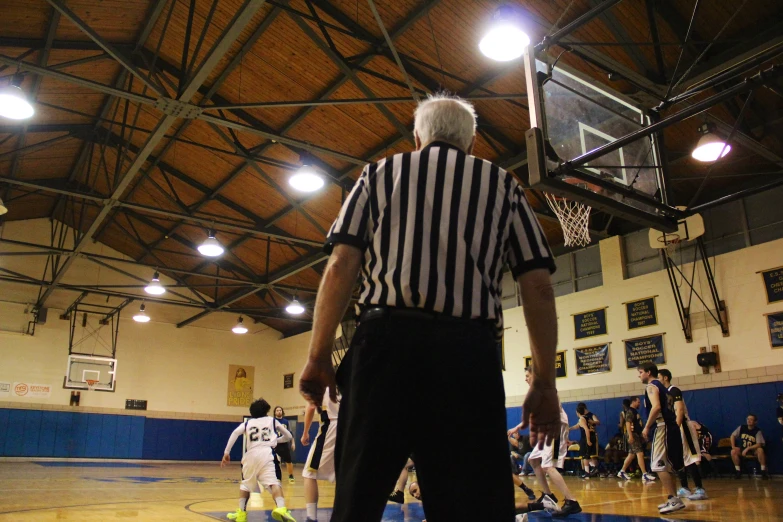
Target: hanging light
[[306, 179], [142, 316], [505, 40], [3, 208], [295, 308], [13, 102], [711, 147], [155, 288], [211, 247], [239, 328]]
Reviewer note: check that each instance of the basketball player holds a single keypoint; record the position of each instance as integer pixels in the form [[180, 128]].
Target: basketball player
[[259, 464], [284, 450], [545, 462], [751, 443], [705, 444], [398, 495], [690, 446], [320, 460], [779, 413], [666, 458], [633, 428], [588, 444]]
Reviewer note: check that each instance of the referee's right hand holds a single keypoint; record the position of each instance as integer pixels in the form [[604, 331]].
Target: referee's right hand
[[541, 412], [317, 375]]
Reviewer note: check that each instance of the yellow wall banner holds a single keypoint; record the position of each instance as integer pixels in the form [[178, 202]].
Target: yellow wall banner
[[240, 384]]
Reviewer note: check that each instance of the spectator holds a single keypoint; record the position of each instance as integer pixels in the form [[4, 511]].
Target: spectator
[[520, 452], [614, 454], [780, 409], [705, 445], [748, 441]]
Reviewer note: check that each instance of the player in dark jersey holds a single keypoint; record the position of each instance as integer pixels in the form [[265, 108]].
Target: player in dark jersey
[[779, 413], [284, 450], [747, 440], [588, 443], [705, 445], [666, 457], [690, 440], [633, 430]]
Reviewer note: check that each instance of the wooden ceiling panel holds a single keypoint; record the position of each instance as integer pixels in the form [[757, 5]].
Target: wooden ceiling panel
[[114, 20], [23, 203], [254, 194], [25, 19], [297, 225]]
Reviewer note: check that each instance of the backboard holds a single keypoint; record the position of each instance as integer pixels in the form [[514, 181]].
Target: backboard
[[576, 115], [82, 368]]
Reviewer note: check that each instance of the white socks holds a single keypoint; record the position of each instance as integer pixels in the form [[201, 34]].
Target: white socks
[[312, 510], [763, 467], [280, 501], [737, 468], [243, 504]]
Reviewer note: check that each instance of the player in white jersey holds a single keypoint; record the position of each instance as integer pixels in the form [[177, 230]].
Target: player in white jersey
[[545, 462], [260, 464], [320, 460]]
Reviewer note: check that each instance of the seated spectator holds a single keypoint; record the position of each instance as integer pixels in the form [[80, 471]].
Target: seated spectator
[[748, 441], [614, 454], [520, 453], [705, 446]]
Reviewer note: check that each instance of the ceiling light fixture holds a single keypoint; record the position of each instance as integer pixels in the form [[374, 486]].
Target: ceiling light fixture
[[306, 179], [505, 40], [13, 102], [239, 328], [155, 288], [295, 307], [711, 147], [3, 208], [142, 316], [211, 247]]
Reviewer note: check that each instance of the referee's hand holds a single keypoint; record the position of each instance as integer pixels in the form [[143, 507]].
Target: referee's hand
[[541, 412], [317, 375]]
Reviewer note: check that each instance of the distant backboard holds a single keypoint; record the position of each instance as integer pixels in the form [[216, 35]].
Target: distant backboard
[[82, 368], [577, 115]]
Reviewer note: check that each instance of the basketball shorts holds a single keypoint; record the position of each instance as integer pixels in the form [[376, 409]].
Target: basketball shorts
[[283, 451], [666, 449], [320, 460], [260, 466], [637, 446], [553, 454], [589, 452], [691, 452]]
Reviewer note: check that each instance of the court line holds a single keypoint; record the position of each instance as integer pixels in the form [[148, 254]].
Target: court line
[[187, 507], [112, 504]]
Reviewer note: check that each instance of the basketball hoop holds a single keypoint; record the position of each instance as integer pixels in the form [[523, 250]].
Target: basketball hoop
[[670, 242], [574, 217], [91, 384]]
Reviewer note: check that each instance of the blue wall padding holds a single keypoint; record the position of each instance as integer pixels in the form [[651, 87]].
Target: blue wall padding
[[720, 409]]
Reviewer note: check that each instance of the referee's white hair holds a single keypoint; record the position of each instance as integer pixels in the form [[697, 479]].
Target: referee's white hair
[[447, 118]]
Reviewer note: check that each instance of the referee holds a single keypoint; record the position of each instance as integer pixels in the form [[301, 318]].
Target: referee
[[431, 231]]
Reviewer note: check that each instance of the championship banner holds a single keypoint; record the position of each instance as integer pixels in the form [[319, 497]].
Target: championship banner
[[775, 329], [641, 313], [590, 324], [240, 385], [593, 359], [644, 349], [773, 284], [560, 364]]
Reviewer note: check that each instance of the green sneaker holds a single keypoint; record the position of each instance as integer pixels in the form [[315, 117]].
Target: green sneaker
[[238, 515], [283, 515]]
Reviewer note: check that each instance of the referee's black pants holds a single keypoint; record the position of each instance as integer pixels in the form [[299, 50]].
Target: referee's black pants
[[429, 388]]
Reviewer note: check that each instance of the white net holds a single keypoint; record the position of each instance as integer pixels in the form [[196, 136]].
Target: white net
[[574, 217]]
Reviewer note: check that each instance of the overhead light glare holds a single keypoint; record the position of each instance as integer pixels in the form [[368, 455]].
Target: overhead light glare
[[505, 40], [211, 247], [155, 288], [142, 316], [13, 102], [240, 328], [710, 148], [306, 179], [295, 308]]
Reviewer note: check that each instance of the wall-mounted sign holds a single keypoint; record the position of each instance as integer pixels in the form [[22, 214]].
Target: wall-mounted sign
[[30, 391], [773, 284], [593, 359], [644, 349], [641, 313], [135, 404], [5, 389], [288, 381], [240, 384], [775, 329], [560, 364], [590, 323]]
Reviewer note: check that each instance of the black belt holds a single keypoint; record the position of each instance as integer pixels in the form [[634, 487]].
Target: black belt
[[373, 313]]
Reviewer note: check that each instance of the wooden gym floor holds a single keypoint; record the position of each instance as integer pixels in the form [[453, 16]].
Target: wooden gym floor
[[106, 491]]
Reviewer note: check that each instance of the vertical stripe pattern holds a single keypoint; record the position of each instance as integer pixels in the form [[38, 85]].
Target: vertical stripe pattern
[[437, 227]]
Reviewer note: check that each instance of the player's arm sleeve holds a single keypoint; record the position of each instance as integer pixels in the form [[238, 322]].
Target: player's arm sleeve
[[529, 248], [352, 224], [760, 438], [736, 433], [240, 430], [286, 434]]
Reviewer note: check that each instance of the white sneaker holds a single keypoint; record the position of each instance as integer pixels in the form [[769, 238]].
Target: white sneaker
[[649, 478], [699, 494], [661, 506], [683, 493], [521, 518], [549, 504], [674, 504], [623, 475]]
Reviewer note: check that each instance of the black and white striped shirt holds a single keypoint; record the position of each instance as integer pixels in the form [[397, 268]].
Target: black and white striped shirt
[[436, 227]]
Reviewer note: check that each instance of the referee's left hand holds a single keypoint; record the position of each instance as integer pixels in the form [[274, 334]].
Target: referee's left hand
[[317, 375]]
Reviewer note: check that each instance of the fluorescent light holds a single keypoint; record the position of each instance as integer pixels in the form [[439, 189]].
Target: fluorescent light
[[211, 247], [13, 102], [306, 179], [142, 316], [239, 328], [295, 308], [505, 40], [710, 148], [3, 208], [155, 288]]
